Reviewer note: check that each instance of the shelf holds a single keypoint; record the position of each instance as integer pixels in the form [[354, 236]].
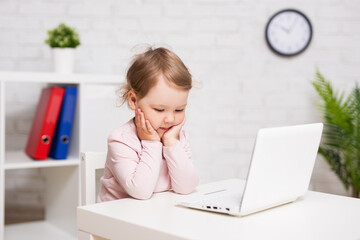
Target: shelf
[[95, 117], [35, 230], [51, 77], [19, 160]]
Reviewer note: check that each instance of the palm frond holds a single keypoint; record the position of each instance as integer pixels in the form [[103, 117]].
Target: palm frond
[[340, 145], [354, 108], [334, 160], [333, 109]]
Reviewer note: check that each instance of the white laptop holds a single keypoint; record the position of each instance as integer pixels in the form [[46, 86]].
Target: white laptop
[[282, 162]]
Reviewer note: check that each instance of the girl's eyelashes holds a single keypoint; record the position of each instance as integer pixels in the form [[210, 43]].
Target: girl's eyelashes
[[162, 110]]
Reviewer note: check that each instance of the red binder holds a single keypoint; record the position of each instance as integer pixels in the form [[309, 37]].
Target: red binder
[[44, 123]]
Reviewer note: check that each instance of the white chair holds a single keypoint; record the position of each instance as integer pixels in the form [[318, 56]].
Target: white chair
[[90, 162]]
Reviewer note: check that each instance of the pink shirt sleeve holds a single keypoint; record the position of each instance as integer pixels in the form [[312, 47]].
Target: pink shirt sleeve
[[137, 174], [183, 175]]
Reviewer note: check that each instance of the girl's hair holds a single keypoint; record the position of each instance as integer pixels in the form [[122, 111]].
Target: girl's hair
[[146, 68]]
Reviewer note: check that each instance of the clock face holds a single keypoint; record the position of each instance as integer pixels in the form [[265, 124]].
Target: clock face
[[288, 32]]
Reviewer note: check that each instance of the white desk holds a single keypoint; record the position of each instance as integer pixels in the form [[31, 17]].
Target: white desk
[[314, 216]]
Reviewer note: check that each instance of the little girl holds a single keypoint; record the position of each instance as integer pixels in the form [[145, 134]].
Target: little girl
[[150, 153]]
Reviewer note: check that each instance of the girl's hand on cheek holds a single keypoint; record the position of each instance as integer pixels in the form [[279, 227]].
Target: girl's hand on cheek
[[172, 135], [144, 129]]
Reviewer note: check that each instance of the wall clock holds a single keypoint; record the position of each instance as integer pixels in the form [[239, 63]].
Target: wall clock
[[288, 32]]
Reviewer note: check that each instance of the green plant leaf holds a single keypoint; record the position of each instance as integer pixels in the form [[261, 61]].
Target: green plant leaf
[[63, 36], [340, 145]]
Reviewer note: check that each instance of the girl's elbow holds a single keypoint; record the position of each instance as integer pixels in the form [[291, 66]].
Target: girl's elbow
[[138, 189], [189, 188], [184, 191], [141, 194]]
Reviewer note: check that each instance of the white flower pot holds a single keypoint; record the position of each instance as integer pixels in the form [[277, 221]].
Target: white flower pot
[[64, 59]]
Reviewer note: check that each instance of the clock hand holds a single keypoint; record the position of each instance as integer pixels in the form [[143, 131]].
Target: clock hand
[[283, 28], [293, 24]]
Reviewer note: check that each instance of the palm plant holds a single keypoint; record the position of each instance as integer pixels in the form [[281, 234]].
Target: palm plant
[[341, 137]]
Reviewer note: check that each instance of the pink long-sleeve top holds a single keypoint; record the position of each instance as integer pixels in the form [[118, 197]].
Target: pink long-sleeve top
[[138, 168]]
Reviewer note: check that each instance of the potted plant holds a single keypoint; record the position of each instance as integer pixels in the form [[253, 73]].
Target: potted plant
[[341, 137], [63, 40]]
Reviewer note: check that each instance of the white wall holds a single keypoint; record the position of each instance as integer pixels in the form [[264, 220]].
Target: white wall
[[241, 84]]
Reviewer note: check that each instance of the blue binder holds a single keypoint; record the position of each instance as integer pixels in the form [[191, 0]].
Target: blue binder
[[61, 140]]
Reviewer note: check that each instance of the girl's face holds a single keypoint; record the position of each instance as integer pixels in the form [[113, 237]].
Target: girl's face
[[164, 105]]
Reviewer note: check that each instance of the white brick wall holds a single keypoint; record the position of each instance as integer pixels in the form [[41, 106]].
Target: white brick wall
[[242, 85]]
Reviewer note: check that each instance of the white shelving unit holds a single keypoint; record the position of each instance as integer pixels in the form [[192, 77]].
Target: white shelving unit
[[96, 116]]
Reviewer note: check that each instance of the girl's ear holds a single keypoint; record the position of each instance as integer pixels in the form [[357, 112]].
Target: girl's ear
[[132, 100]]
